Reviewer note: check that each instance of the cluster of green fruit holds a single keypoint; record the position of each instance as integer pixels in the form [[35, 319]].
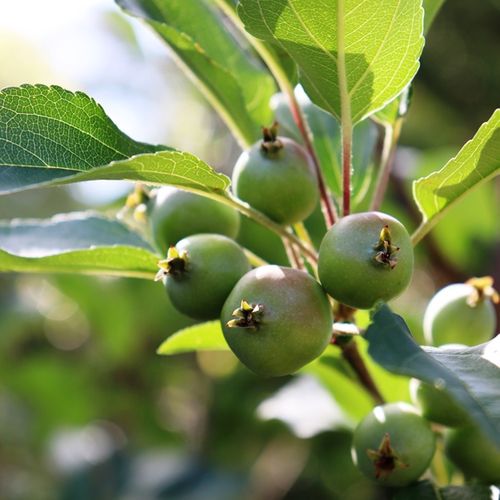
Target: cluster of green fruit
[[395, 441], [277, 319], [363, 258]]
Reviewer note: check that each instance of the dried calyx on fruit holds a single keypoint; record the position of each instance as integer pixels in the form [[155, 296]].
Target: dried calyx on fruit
[[246, 316], [276, 177], [385, 459], [174, 265], [276, 320], [365, 258], [385, 250], [200, 271]]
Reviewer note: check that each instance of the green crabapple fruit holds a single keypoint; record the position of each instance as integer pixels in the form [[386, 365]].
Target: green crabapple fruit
[[175, 214], [393, 445], [364, 258], [276, 320], [436, 405], [462, 312], [276, 177], [200, 272], [473, 453]]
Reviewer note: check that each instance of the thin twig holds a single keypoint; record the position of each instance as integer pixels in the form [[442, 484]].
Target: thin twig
[[351, 354], [259, 217], [302, 232], [328, 208], [254, 259], [293, 255], [274, 66], [346, 170]]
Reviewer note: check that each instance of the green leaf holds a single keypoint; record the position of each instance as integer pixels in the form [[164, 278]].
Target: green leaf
[[48, 133], [234, 83], [202, 337], [471, 376], [421, 490], [477, 162], [75, 243], [175, 168], [50, 136], [353, 57], [399, 106], [467, 492]]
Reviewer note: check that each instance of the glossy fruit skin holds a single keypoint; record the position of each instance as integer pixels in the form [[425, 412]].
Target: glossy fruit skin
[[282, 185], [215, 264], [175, 214], [473, 453], [296, 323], [346, 266], [410, 436], [448, 318], [436, 405]]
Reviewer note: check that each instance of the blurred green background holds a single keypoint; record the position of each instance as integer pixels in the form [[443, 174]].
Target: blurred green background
[[87, 409]]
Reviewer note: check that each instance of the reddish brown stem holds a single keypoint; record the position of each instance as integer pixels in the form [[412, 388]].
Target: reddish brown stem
[[351, 355], [329, 210], [346, 174], [293, 255]]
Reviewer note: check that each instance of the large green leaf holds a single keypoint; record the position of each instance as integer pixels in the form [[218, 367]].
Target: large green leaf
[[235, 84], [470, 375], [399, 106], [477, 162], [353, 57], [76, 243], [202, 337], [50, 136], [48, 133]]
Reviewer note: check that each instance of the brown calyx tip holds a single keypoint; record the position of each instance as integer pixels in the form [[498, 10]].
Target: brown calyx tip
[[483, 290], [174, 265], [270, 143], [385, 459], [246, 316], [385, 251]]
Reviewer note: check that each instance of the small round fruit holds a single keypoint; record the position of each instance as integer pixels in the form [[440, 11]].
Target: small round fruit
[[175, 214], [473, 453], [276, 177], [436, 405], [276, 320], [457, 314], [365, 258], [393, 444], [201, 271]]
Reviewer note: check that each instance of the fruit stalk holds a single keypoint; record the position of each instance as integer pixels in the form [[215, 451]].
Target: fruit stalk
[[292, 254], [328, 208], [346, 169], [327, 205], [259, 217], [351, 354]]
